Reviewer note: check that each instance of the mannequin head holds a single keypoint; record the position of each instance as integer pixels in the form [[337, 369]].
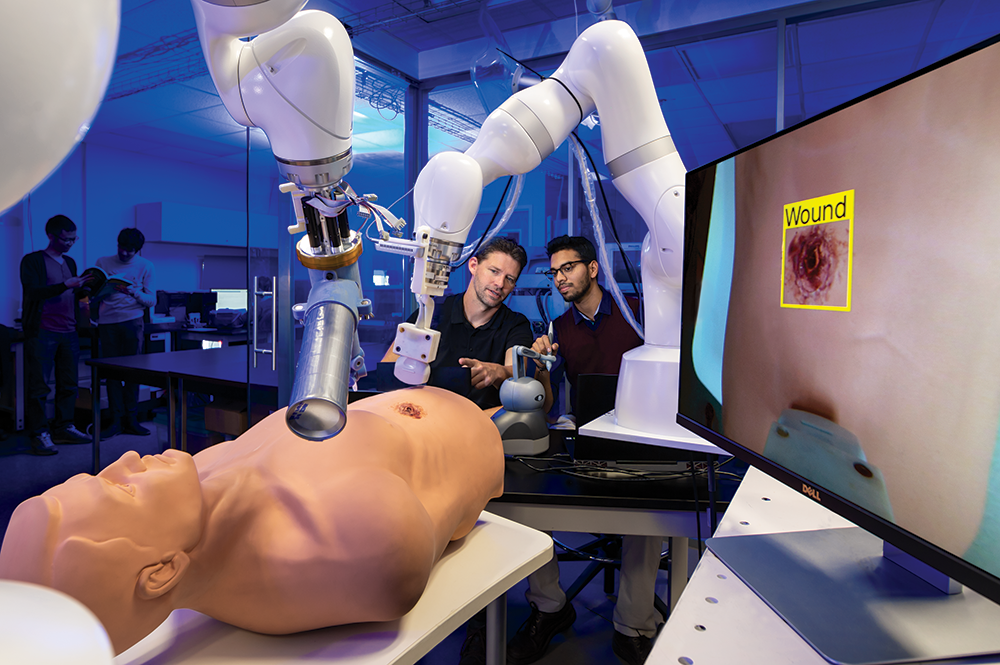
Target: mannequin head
[[132, 525]]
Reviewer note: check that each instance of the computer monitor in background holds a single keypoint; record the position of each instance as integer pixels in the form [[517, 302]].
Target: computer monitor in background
[[201, 303], [839, 331], [230, 298]]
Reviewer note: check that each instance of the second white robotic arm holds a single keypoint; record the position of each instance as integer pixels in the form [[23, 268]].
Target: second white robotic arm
[[606, 70]]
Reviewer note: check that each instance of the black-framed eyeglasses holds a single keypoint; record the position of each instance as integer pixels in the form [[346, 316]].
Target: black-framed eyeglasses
[[68, 241], [565, 269]]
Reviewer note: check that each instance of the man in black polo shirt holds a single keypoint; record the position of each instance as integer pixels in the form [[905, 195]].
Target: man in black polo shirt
[[477, 329]]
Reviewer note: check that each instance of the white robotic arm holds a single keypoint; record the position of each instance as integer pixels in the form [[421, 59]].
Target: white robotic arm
[[606, 70], [295, 80]]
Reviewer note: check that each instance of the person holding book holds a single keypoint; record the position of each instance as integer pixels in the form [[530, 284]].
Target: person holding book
[[120, 331], [51, 292]]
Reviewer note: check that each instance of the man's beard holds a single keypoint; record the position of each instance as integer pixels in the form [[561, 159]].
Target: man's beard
[[484, 295], [573, 297]]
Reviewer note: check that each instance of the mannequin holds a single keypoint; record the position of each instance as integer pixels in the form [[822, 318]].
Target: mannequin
[[269, 532]]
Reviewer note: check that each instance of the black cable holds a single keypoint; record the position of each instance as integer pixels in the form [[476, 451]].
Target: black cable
[[697, 508], [540, 303], [489, 226], [590, 471]]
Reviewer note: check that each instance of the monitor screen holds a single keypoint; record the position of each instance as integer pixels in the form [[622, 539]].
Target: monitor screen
[[230, 298], [840, 316]]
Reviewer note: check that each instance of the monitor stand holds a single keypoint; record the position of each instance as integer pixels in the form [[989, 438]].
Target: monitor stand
[[835, 589]]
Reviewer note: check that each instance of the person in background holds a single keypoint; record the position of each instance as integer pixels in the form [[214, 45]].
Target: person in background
[[477, 329], [592, 337], [120, 324], [51, 292]]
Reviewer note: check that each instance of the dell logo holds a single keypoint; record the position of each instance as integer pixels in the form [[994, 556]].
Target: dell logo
[[809, 491]]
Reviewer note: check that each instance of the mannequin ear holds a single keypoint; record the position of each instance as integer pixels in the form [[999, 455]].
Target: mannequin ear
[[156, 580]]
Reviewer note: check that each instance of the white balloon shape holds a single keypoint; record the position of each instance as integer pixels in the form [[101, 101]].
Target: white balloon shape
[[55, 62]]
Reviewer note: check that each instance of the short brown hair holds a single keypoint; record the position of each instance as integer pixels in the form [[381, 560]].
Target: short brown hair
[[508, 247]]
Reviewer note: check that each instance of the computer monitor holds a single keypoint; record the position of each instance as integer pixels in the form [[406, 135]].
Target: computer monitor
[[840, 317], [230, 298], [201, 303]]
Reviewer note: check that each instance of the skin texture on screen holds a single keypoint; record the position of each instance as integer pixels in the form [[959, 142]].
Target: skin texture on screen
[[912, 368], [268, 532]]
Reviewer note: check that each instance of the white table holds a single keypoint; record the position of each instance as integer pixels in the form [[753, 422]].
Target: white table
[[474, 572], [719, 620]]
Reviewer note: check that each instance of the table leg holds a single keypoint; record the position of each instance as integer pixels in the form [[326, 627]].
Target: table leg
[[712, 488], [95, 413], [172, 408], [678, 568], [182, 394], [20, 386], [496, 631]]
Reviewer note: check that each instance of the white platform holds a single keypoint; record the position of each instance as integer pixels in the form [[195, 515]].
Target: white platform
[[472, 573], [719, 620], [606, 427]]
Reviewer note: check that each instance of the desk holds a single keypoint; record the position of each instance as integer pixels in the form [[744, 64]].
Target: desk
[[720, 620], [215, 371], [475, 571], [556, 502], [607, 427]]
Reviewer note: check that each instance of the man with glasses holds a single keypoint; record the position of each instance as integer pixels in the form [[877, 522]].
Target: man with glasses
[[477, 330], [120, 324], [51, 295], [590, 338]]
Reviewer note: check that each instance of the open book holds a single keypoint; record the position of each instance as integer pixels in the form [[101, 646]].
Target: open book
[[101, 285]]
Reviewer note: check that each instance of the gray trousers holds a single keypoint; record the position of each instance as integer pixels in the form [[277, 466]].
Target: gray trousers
[[634, 611]]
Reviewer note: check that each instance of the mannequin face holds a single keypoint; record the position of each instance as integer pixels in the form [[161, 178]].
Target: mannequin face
[[153, 500]]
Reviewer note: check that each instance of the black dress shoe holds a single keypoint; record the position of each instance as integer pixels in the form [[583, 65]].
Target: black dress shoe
[[136, 429], [114, 429], [533, 637], [632, 650]]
